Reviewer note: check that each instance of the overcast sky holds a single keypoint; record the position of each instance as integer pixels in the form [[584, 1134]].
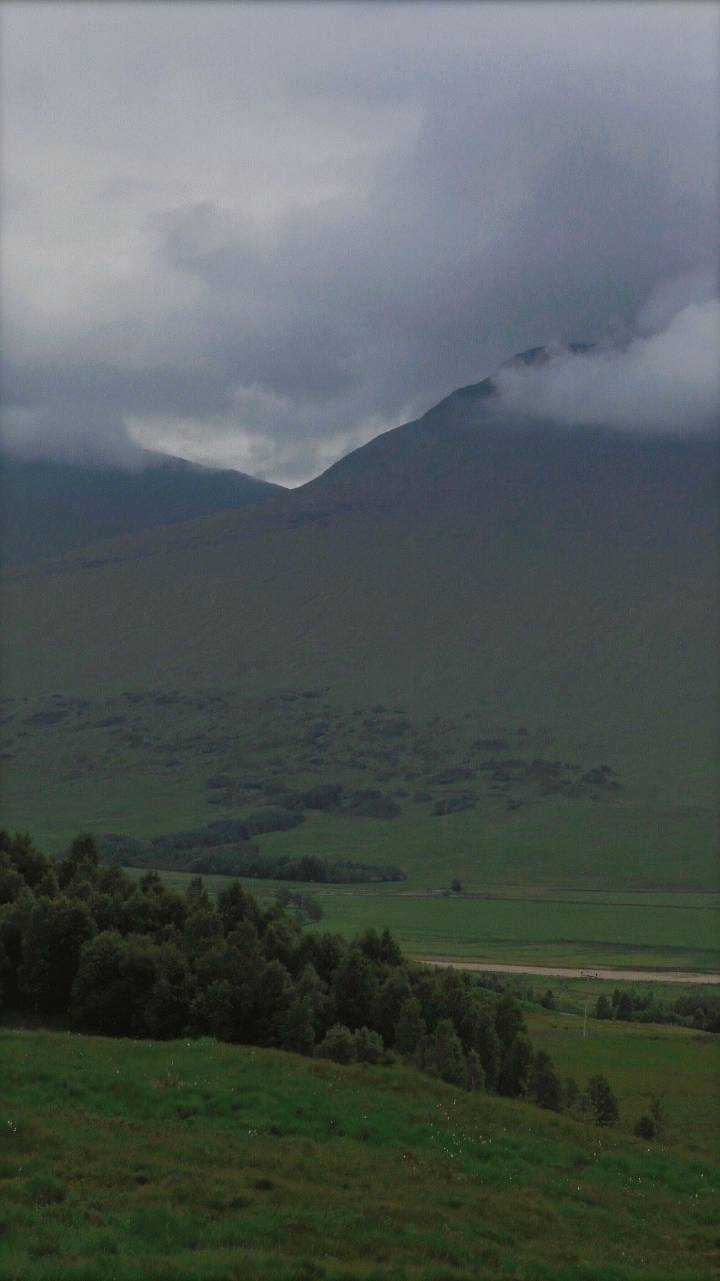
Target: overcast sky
[[257, 235]]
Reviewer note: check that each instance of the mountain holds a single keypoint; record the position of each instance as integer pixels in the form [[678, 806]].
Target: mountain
[[508, 622], [48, 507]]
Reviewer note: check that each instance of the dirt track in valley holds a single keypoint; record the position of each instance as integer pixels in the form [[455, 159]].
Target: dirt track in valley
[[564, 972]]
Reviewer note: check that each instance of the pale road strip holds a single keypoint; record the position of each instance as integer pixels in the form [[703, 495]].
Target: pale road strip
[[562, 972]]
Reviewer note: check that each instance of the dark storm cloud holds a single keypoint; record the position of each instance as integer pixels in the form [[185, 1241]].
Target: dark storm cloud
[[260, 234]]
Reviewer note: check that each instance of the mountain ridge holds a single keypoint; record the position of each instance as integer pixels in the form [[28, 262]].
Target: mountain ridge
[[50, 506]]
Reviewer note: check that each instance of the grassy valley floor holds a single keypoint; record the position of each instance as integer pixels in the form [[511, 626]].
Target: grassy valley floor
[[534, 925], [198, 1161]]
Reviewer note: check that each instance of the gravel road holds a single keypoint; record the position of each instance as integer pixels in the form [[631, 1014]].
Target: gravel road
[[564, 972]]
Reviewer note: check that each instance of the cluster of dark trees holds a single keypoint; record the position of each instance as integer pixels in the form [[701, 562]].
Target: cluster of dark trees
[[699, 1010], [224, 848], [83, 944]]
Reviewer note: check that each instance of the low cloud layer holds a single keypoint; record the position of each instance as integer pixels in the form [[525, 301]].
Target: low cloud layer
[[258, 234], [668, 382]]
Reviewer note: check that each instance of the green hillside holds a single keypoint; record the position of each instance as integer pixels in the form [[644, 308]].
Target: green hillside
[[48, 507], [199, 1161], [507, 631]]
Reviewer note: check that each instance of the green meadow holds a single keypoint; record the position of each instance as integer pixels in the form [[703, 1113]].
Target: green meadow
[[199, 1161]]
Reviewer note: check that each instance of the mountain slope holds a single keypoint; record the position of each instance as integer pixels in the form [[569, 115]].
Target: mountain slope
[[49, 507], [492, 581]]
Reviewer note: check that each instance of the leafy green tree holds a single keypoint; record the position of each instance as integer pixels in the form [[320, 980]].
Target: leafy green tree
[[322, 1005], [235, 906], [23, 855], [544, 1085], [456, 886], [625, 1007], [114, 981], [280, 943], [411, 1027], [11, 882], [515, 1070], [296, 1027], [202, 925], [338, 1044], [215, 1010], [81, 861], [390, 953], [167, 1009], [355, 986], [271, 999], [369, 1046], [447, 1056], [51, 946], [489, 1049], [509, 1021], [548, 1001], [323, 951], [391, 997], [602, 1101], [603, 1008]]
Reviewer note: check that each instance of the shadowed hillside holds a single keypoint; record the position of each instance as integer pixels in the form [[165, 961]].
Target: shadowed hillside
[[48, 507]]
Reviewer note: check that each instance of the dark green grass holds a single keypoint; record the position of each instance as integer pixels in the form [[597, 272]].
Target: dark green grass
[[198, 1161]]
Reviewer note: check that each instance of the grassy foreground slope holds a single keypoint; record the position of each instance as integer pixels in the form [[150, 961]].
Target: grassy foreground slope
[[199, 1161]]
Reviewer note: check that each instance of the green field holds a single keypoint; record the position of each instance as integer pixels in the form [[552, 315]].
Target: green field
[[511, 925], [198, 1161]]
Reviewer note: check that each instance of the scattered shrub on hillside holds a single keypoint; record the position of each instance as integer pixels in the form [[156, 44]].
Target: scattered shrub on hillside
[[645, 1127], [544, 1086], [338, 1044], [301, 906], [515, 1068], [601, 1101], [370, 803], [446, 1056], [369, 1046]]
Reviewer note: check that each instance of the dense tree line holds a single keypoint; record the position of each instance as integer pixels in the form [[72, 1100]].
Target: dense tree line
[[699, 1009], [83, 944], [224, 848]]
